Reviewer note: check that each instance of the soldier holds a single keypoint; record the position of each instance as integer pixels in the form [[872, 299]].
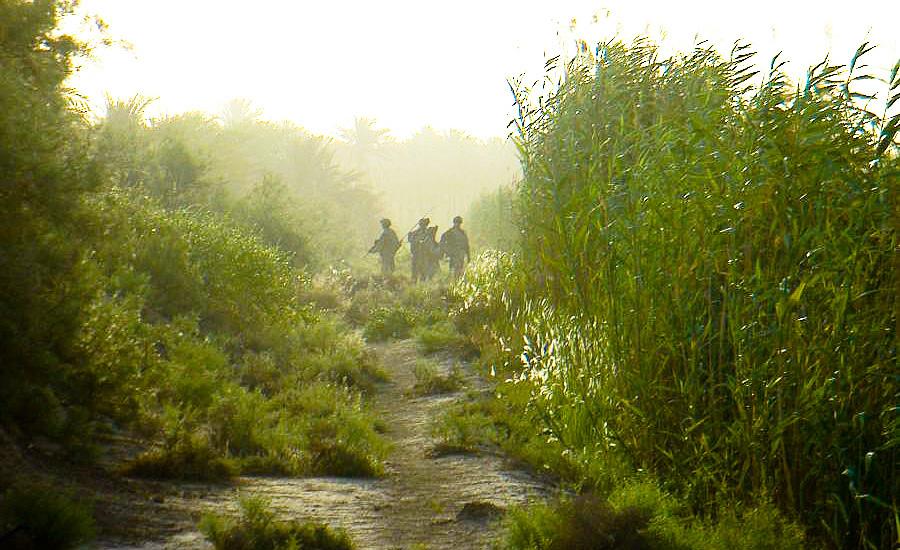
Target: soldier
[[422, 248], [455, 245], [386, 246]]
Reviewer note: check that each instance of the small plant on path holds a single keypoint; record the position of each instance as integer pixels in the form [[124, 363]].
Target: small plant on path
[[257, 529]]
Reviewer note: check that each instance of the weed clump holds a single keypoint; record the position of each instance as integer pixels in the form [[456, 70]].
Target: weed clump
[[189, 458], [258, 529], [429, 381], [586, 522], [33, 516], [639, 516], [386, 323], [442, 336]]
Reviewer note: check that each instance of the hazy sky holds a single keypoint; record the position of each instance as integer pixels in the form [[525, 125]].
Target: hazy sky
[[420, 62]]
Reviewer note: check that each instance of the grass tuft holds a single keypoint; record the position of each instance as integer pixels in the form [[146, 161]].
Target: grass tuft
[[429, 381], [258, 529]]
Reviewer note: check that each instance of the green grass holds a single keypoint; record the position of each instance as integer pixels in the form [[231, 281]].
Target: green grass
[[640, 516], [386, 323], [429, 381], [258, 529], [462, 431], [45, 517], [442, 336], [189, 459]]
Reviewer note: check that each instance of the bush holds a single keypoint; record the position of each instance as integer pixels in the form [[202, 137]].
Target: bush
[[430, 382], [364, 302], [335, 434], [463, 430], [191, 458], [585, 522], [638, 515], [40, 517], [442, 336], [257, 529], [389, 322]]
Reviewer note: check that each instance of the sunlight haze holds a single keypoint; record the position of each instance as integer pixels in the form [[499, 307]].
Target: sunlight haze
[[412, 64]]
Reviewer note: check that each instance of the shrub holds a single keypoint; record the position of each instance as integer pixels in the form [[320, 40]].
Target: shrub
[[257, 529], [343, 447], [44, 517], [430, 382], [442, 336], [463, 430], [335, 433], [190, 458], [585, 522], [386, 323], [364, 302]]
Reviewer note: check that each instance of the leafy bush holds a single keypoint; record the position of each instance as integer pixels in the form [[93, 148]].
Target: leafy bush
[[43, 517], [257, 529]]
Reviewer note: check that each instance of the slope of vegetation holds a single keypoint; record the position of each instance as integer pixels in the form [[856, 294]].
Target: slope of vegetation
[[704, 293], [149, 288]]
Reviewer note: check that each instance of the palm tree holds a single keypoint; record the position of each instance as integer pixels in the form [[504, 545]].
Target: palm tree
[[364, 143]]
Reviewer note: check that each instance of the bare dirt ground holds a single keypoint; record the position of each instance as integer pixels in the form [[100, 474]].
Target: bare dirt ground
[[421, 502]]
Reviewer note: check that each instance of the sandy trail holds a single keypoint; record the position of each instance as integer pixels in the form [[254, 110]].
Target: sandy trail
[[417, 503]]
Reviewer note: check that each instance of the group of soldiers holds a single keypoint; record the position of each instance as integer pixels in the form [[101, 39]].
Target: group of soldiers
[[424, 248]]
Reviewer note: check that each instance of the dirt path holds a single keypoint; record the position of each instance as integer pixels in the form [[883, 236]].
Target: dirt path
[[419, 503]]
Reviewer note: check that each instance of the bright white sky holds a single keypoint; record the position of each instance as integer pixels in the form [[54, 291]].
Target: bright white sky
[[411, 63]]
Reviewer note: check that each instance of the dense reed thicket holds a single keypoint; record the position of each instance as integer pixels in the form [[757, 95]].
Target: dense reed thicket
[[705, 288]]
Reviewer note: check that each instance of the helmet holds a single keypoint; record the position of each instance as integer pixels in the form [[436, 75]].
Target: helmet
[[385, 222]]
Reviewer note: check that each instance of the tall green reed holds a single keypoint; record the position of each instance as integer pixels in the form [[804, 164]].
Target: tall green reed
[[710, 289]]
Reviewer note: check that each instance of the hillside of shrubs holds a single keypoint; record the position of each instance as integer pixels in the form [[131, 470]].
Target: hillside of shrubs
[[154, 282]]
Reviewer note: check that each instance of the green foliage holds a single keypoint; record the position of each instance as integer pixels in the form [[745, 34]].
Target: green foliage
[[189, 458], [389, 322], [337, 432], [271, 210], [492, 219], [442, 336], [45, 517], [391, 310], [135, 289], [258, 529], [431, 382], [585, 522], [45, 283], [705, 296], [464, 428], [638, 515]]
